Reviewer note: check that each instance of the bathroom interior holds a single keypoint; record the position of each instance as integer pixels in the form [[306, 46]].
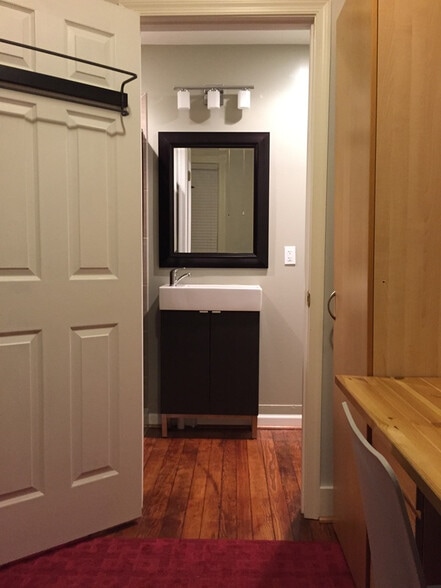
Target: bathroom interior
[[279, 107], [279, 67]]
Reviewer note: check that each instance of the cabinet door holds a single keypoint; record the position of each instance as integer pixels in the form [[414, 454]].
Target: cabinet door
[[407, 317], [234, 363], [185, 355]]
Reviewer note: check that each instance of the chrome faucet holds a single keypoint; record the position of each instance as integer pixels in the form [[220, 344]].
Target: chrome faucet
[[174, 279]]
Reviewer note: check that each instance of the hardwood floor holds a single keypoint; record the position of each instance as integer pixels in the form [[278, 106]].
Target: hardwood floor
[[214, 483]]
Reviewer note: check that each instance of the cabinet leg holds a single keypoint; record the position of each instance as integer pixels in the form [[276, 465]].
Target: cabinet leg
[[164, 425], [254, 427]]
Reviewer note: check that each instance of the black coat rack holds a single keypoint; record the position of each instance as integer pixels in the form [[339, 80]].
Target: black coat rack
[[18, 79]]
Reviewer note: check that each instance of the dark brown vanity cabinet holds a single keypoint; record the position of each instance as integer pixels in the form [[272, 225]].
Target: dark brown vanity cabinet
[[209, 363]]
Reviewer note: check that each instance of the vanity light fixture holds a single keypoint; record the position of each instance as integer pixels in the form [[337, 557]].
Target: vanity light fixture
[[214, 95], [214, 98], [183, 100], [244, 99]]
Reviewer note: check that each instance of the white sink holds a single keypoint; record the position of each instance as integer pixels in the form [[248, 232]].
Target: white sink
[[210, 297]]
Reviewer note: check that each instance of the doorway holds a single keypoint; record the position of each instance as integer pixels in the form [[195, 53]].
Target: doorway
[[312, 501]]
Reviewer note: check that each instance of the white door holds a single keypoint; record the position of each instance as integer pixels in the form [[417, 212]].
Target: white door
[[70, 283]]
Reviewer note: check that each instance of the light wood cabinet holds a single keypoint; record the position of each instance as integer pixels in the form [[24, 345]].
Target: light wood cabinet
[[387, 214]]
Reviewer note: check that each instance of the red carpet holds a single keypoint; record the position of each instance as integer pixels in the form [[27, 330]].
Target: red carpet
[[192, 563]]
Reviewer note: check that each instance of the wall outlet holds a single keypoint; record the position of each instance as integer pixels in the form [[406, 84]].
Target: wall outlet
[[290, 255]]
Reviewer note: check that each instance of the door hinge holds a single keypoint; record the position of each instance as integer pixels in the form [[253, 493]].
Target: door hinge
[[308, 298]]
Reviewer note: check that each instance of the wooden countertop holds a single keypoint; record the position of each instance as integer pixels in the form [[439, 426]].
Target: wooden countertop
[[407, 411]]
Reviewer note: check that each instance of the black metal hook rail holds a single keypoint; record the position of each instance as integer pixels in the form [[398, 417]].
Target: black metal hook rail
[[37, 83]]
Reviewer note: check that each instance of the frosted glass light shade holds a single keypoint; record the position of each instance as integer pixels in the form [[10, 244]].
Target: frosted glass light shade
[[183, 100], [243, 99], [213, 99]]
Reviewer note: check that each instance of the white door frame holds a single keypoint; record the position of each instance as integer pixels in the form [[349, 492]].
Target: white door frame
[[315, 503]]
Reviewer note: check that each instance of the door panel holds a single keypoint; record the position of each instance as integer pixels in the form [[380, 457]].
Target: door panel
[[92, 195], [94, 359], [408, 184], [234, 363], [185, 362], [70, 285], [20, 250], [20, 400]]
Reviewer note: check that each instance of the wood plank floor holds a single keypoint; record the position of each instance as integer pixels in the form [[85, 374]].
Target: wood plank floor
[[218, 483]]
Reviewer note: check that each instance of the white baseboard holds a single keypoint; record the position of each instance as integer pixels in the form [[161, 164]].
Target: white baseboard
[[264, 421], [326, 502], [152, 419], [281, 421]]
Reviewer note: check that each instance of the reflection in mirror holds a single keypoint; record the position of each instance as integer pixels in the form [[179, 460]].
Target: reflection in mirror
[[213, 199]]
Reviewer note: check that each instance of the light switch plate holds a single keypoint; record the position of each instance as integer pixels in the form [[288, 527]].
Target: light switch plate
[[290, 255]]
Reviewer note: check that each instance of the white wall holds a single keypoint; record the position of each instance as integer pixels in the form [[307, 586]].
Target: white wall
[[279, 105]]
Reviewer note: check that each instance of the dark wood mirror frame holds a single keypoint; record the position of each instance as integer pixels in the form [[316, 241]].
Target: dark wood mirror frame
[[259, 141]]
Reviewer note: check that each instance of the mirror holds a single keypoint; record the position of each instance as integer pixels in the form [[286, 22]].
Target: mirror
[[213, 199]]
